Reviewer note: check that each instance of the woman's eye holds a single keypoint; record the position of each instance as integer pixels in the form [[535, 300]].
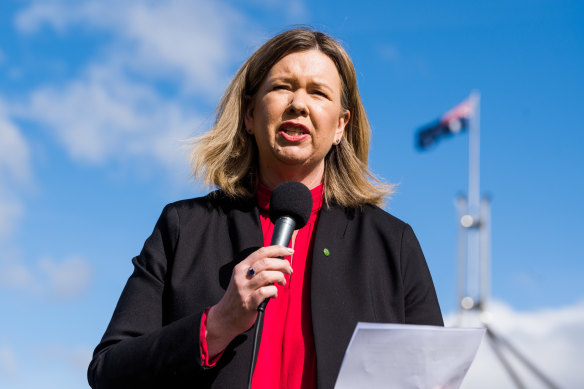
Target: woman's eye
[[320, 93], [280, 87]]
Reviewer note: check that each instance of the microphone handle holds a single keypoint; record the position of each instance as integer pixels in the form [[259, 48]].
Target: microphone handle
[[283, 230]]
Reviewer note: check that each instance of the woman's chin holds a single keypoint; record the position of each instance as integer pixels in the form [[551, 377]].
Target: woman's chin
[[293, 160]]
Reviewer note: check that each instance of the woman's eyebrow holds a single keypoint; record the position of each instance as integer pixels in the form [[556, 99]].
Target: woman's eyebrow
[[289, 80], [293, 80], [320, 85]]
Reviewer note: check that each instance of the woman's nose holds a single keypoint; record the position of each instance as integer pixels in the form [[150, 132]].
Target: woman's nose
[[298, 104]]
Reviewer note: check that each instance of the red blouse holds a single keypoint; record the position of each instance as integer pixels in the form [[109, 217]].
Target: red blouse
[[286, 358]]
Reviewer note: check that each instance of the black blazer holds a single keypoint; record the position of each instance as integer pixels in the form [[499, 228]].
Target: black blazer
[[375, 272]]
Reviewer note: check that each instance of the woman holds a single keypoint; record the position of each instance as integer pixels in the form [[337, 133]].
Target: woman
[[186, 315]]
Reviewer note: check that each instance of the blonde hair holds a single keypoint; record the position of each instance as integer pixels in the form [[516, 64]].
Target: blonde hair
[[226, 156]]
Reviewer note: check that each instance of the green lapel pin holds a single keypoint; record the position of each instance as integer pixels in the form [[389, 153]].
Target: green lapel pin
[[326, 252]]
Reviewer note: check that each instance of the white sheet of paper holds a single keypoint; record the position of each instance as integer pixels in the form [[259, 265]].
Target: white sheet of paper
[[406, 356]]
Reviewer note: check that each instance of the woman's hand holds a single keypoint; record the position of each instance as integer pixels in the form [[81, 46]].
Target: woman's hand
[[237, 310]]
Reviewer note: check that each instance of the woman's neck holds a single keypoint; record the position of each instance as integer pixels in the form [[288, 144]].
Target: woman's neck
[[271, 178]]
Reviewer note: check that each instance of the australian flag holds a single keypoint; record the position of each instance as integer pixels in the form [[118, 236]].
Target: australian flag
[[452, 122]]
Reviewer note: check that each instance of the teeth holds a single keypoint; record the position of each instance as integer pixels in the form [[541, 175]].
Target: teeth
[[294, 133]]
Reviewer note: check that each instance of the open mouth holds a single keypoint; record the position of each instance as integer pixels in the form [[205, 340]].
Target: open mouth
[[294, 129], [293, 132]]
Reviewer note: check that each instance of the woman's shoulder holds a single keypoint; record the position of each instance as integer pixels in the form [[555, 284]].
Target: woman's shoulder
[[216, 201], [374, 214], [382, 214]]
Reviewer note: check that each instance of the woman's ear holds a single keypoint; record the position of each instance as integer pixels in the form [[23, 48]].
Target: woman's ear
[[343, 120], [248, 117]]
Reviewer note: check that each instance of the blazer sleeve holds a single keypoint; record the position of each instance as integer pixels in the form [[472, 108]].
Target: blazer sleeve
[[420, 300], [138, 349]]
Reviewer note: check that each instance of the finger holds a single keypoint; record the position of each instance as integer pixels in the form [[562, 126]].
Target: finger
[[267, 277], [265, 292], [263, 264], [269, 252]]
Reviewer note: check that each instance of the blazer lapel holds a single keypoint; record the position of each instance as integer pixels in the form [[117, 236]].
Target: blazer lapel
[[329, 296], [244, 233], [245, 230]]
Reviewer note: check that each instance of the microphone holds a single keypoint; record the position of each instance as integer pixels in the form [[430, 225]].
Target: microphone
[[290, 208]]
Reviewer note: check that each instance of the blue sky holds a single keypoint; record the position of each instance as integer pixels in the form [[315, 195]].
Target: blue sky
[[96, 97]]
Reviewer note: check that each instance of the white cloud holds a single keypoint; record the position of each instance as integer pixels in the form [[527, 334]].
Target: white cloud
[[194, 43], [294, 11], [38, 13], [59, 280], [11, 211], [551, 339], [15, 171], [68, 278], [102, 117], [16, 275], [50, 365], [8, 363], [14, 151], [77, 358], [113, 109], [199, 40]]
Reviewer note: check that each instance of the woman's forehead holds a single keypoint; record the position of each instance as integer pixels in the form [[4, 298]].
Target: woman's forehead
[[311, 64]]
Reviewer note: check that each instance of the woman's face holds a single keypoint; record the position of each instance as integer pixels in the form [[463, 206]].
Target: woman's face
[[296, 115]]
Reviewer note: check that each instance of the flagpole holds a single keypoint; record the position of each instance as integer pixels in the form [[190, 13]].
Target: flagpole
[[474, 236], [474, 150], [473, 268]]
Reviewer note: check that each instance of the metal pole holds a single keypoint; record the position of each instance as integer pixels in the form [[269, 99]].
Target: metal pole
[[474, 150], [499, 353], [485, 249], [473, 264], [462, 251], [539, 374]]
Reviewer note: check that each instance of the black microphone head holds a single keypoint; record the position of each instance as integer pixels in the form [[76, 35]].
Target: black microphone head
[[291, 199]]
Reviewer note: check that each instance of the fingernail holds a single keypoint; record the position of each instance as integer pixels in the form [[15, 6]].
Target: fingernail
[[290, 250]]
